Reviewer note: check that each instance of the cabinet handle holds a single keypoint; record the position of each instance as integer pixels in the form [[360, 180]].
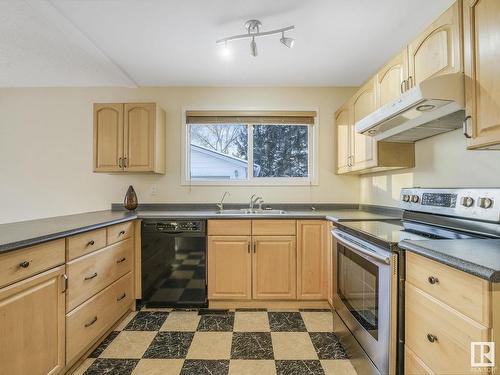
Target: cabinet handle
[[248, 248], [122, 297], [64, 279], [431, 337], [410, 82], [91, 277], [125, 162], [91, 243], [433, 280], [464, 124], [92, 322], [25, 264], [121, 233], [121, 260], [254, 247], [120, 164], [402, 86]]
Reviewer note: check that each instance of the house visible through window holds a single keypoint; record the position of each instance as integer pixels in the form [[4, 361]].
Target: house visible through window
[[222, 148]]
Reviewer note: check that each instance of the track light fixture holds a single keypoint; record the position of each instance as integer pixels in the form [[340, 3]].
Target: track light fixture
[[253, 31]]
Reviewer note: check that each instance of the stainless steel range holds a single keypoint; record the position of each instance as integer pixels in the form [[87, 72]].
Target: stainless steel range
[[369, 300]]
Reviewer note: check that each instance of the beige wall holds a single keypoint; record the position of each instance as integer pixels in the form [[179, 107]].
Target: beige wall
[[441, 161], [46, 149]]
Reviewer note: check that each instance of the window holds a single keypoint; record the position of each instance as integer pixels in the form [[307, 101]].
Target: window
[[222, 147]]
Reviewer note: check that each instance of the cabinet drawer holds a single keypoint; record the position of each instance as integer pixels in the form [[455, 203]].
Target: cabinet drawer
[[92, 319], [414, 365], [438, 335], [229, 227], [93, 272], [21, 264], [119, 232], [274, 227], [467, 294], [85, 243]]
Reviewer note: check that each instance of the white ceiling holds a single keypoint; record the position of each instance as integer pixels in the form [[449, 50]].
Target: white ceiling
[[172, 42]]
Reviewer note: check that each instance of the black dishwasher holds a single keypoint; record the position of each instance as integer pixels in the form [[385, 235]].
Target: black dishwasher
[[174, 263]]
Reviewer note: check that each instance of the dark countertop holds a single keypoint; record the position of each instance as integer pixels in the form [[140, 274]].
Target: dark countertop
[[478, 257], [26, 233]]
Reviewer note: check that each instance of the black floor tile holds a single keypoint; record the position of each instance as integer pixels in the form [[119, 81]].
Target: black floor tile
[[286, 322], [112, 366], [147, 321], [104, 344], [169, 345], [252, 345], [299, 368], [327, 345], [216, 323], [205, 367]]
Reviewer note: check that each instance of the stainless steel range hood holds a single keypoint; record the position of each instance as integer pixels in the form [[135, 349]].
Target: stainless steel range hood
[[433, 107]]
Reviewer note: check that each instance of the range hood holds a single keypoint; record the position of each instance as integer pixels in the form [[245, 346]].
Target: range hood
[[433, 107]]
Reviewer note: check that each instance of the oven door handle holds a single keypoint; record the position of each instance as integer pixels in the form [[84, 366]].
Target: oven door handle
[[360, 249]]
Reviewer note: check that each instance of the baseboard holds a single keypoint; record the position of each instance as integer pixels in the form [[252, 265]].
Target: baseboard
[[233, 304]]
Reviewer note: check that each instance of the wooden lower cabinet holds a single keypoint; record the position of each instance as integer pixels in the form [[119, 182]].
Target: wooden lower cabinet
[[312, 241], [229, 267], [414, 365], [274, 267], [32, 325]]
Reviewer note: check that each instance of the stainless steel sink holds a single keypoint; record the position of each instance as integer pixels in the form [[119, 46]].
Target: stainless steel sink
[[250, 211]]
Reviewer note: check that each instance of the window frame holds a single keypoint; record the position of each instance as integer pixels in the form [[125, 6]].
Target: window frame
[[312, 137]]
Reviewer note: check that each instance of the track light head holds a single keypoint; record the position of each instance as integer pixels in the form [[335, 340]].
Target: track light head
[[253, 48], [287, 42]]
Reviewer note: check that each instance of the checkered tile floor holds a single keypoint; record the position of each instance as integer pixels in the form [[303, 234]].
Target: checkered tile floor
[[245, 341]]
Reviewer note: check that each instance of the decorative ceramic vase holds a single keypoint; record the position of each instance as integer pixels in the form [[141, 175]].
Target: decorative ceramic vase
[[130, 202]]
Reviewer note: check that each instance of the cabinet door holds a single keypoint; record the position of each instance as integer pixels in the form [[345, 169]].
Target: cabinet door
[[390, 79], [344, 128], [312, 238], [274, 267], [108, 137], [363, 149], [482, 69], [139, 137], [437, 50], [229, 267], [32, 326]]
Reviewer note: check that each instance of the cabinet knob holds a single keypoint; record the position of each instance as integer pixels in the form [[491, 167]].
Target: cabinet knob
[[121, 260], [121, 233], [24, 264], [91, 243], [431, 337], [433, 280], [122, 297]]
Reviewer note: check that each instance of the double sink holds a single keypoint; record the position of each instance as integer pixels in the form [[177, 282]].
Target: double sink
[[251, 211]]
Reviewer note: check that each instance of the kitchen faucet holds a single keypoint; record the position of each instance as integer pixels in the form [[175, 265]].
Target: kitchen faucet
[[220, 205], [255, 199]]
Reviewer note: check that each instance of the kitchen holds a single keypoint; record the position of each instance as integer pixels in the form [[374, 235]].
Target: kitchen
[[372, 204]]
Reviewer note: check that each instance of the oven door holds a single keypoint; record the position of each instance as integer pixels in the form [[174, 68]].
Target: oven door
[[366, 298]]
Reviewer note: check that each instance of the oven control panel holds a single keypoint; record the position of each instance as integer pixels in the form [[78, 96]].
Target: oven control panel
[[478, 204]]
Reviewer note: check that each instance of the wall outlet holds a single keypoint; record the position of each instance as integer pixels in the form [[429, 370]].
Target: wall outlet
[[153, 190]]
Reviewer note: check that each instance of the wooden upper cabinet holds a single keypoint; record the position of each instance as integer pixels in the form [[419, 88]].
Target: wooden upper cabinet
[[482, 70], [229, 267], [274, 267], [391, 77], [139, 136], [108, 137], [32, 325], [437, 50], [129, 137], [363, 148], [344, 131], [312, 245]]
